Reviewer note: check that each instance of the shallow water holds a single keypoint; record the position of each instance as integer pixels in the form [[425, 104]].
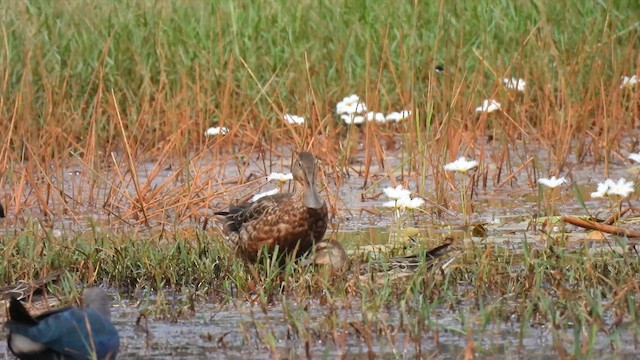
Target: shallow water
[[243, 331]]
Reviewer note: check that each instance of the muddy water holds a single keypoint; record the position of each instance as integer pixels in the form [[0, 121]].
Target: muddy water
[[246, 332], [243, 332]]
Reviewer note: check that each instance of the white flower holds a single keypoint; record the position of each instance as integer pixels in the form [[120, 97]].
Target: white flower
[[621, 188], [391, 203], [397, 193], [514, 84], [398, 116], [635, 157], [351, 119], [256, 197], [216, 130], [552, 182], [462, 165], [602, 189], [280, 177], [353, 98], [377, 116], [405, 202], [351, 105], [393, 116], [410, 203], [489, 106], [629, 82], [293, 119]]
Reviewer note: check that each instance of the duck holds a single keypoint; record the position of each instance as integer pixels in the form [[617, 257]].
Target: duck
[[27, 289], [407, 265], [71, 333], [330, 254], [290, 222]]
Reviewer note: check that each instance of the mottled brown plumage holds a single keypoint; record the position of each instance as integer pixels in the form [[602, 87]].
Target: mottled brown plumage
[[410, 264], [330, 254], [292, 221]]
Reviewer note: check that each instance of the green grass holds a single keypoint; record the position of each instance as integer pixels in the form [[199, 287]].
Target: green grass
[[590, 295], [212, 61]]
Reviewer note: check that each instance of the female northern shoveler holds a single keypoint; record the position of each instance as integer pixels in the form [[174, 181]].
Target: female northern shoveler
[[293, 222]]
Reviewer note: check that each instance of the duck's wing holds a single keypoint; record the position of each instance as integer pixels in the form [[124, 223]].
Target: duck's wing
[[25, 289], [438, 251], [238, 215], [411, 263]]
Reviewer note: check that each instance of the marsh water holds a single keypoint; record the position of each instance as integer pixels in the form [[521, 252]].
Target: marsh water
[[247, 331], [237, 333]]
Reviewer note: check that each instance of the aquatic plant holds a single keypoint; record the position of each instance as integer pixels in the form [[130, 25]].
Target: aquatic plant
[[462, 165], [549, 197], [352, 119], [376, 116], [397, 192], [396, 116], [635, 157], [489, 106], [514, 84], [216, 130], [293, 119], [616, 192], [552, 182], [622, 188], [405, 203], [351, 105], [629, 82]]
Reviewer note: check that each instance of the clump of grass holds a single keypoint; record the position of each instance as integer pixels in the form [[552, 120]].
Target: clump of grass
[[569, 291]]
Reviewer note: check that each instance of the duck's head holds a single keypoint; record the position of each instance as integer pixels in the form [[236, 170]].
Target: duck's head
[[330, 254], [304, 171]]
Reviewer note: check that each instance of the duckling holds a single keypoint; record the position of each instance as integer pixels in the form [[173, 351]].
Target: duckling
[[331, 255]]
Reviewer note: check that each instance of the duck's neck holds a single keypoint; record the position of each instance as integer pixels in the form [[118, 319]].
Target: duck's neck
[[310, 196]]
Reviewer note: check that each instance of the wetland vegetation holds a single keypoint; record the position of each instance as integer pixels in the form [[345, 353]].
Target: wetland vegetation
[[110, 171]]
